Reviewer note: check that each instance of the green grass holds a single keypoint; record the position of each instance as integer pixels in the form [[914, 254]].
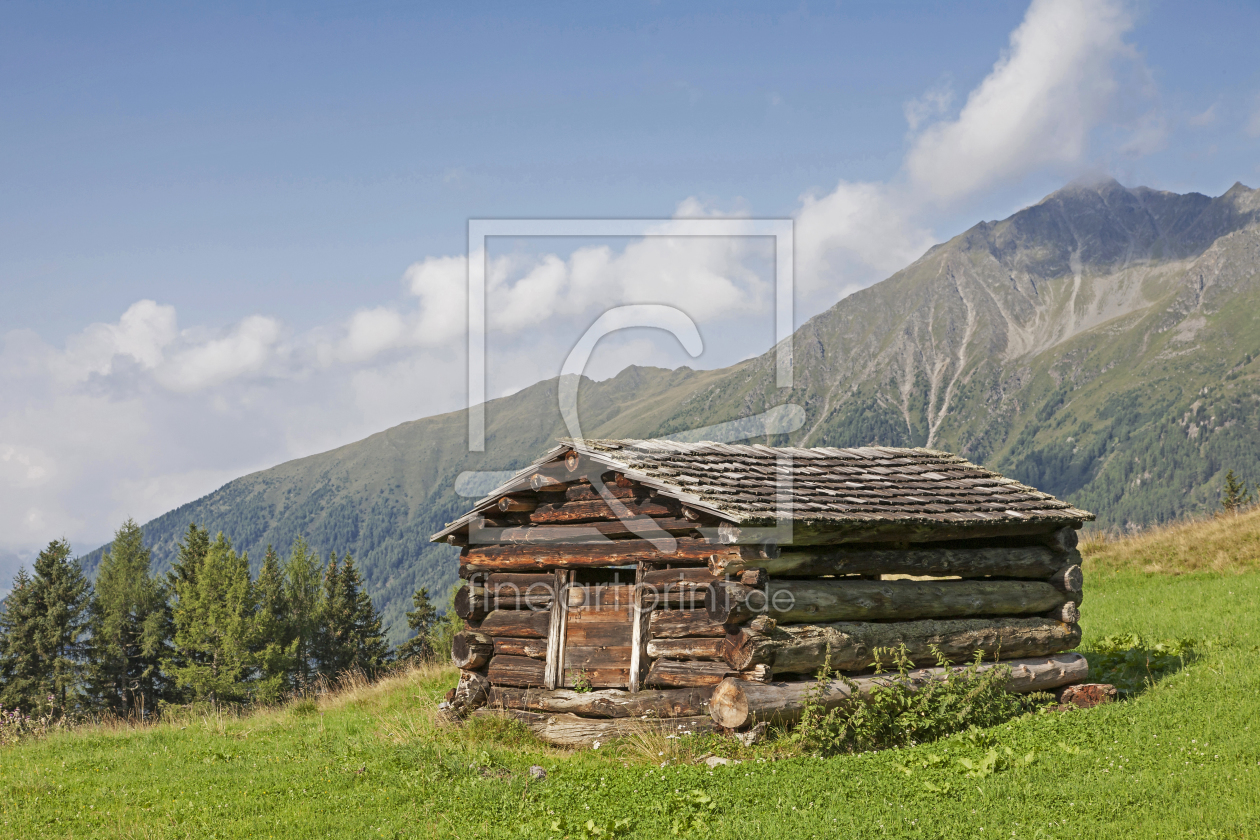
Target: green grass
[[1181, 758]]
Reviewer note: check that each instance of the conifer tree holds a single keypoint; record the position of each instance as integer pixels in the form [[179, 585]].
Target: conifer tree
[[1235, 494], [350, 634], [130, 629], [276, 650], [42, 634], [423, 620], [303, 583], [213, 618]]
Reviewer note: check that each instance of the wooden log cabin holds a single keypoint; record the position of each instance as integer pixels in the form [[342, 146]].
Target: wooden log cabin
[[699, 586]]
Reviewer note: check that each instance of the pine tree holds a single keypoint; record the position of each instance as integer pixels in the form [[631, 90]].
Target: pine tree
[[423, 620], [20, 669], [1235, 494], [213, 618], [276, 648], [303, 581], [350, 635], [183, 577], [130, 629], [60, 594]]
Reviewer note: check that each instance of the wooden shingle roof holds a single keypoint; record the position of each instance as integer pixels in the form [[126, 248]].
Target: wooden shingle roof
[[750, 484]]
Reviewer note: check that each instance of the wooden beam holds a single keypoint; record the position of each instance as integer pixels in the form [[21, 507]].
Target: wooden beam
[[554, 674], [640, 622], [737, 703], [1023, 562], [524, 558]]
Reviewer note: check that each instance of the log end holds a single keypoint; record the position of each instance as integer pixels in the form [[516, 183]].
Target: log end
[[728, 705]]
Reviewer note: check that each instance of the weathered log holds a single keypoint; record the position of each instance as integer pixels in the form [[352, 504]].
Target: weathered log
[[557, 622], [662, 577], [1069, 580], [609, 703], [673, 673], [598, 511], [470, 692], [473, 602], [531, 648], [588, 493], [709, 650], [471, 650], [517, 504], [790, 601], [546, 484], [520, 671], [804, 648], [600, 595], [1063, 540], [826, 532], [682, 624], [754, 577], [574, 731], [470, 603], [736, 703], [1022, 562], [640, 618], [523, 558], [593, 532], [1066, 612], [519, 624]]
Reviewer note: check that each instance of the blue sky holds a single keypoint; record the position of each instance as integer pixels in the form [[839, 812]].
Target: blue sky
[[289, 186]]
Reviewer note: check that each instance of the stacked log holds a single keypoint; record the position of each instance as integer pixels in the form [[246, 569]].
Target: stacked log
[[736, 704], [689, 611]]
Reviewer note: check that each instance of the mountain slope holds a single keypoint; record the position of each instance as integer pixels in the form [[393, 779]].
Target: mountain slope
[[1098, 345]]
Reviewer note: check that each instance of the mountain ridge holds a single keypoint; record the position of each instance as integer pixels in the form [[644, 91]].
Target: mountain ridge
[[1038, 345]]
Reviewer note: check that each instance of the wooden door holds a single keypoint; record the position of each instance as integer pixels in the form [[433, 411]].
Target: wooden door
[[597, 635]]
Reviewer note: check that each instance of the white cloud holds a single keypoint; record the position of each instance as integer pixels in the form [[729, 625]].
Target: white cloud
[[1036, 108], [245, 349], [931, 105], [142, 333], [371, 331]]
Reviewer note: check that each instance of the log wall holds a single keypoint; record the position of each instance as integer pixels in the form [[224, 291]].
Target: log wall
[[649, 613]]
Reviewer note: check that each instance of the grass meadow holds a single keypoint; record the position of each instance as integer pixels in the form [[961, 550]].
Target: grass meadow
[[1172, 616]]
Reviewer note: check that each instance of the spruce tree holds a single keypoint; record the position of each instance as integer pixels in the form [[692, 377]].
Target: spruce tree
[[276, 642], [303, 585], [350, 635], [423, 620], [1234, 495], [213, 618], [130, 629], [20, 669]]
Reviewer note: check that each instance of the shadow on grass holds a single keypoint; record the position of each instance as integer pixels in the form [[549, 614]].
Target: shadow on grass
[[1133, 663]]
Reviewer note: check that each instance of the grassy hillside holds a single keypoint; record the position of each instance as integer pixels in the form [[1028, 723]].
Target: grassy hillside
[[1179, 757], [1102, 345]]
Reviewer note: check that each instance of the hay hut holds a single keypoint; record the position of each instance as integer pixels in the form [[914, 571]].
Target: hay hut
[[615, 584]]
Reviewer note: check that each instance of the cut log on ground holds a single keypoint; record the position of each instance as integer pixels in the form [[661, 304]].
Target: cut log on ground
[[611, 703], [682, 624], [1086, 695], [1031, 562], [574, 731], [707, 650], [520, 671], [519, 624], [737, 703], [790, 601], [674, 673], [471, 650], [470, 692], [803, 648], [524, 558]]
